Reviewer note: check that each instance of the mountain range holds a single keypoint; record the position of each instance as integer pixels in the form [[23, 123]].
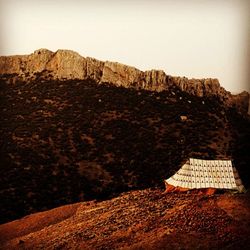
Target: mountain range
[[77, 129], [67, 64]]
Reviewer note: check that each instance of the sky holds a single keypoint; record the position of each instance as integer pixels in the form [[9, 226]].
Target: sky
[[192, 38]]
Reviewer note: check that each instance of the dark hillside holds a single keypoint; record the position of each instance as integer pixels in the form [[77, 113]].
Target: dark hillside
[[241, 144], [67, 141]]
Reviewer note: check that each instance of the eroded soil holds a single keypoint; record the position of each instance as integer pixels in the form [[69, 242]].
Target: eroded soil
[[146, 219]]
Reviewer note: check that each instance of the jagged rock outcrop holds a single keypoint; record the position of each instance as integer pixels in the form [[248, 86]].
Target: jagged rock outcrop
[[63, 64], [241, 102], [67, 64], [37, 61], [203, 88], [11, 64], [121, 75], [156, 80], [199, 87]]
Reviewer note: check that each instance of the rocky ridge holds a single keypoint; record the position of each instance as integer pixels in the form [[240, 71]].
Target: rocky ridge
[[67, 64]]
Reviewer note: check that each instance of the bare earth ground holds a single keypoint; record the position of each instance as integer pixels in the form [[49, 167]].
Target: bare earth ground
[[146, 219]]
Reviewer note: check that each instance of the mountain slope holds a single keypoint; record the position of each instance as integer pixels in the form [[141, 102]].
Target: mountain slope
[[73, 140], [146, 219]]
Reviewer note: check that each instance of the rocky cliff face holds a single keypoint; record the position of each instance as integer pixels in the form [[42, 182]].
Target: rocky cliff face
[[66, 64], [123, 75]]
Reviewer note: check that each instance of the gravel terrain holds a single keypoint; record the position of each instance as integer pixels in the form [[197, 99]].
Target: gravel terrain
[[143, 219]]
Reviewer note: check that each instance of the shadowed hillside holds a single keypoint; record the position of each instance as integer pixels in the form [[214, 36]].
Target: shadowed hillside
[[74, 140]]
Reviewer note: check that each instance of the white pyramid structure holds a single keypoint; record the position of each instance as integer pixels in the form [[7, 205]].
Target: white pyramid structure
[[196, 174]]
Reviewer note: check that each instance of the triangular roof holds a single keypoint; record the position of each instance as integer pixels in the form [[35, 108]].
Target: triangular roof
[[197, 173]]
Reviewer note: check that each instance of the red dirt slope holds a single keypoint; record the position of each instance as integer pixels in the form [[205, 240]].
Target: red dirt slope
[[147, 219]]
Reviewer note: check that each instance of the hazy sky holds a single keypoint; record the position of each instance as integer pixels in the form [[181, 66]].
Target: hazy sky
[[192, 38]]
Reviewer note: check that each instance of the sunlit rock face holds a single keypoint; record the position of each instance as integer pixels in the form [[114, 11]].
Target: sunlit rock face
[[120, 74], [200, 87], [20, 64], [11, 64], [155, 80], [123, 75], [38, 60], [67, 64]]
